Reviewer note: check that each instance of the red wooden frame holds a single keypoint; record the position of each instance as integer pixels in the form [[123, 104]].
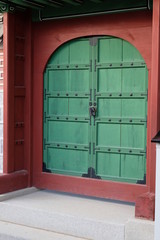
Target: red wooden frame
[[48, 36], [90, 187], [15, 168], [8, 150], [13, 181]]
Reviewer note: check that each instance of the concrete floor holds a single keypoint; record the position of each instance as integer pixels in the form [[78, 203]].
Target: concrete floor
[[64, 214]]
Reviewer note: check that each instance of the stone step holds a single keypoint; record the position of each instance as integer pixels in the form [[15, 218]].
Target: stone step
[[10, 231], [82, 217]]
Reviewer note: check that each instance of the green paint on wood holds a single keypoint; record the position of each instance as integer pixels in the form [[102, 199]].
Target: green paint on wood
[[112, 76]]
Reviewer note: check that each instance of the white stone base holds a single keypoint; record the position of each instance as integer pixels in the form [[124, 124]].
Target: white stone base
[[139, 230], [81, 217], [10, 231]]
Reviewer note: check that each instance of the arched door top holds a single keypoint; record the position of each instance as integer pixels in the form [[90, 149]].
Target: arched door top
[[95, 110]]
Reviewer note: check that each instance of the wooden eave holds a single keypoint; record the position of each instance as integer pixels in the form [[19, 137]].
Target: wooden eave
[[46, 9]]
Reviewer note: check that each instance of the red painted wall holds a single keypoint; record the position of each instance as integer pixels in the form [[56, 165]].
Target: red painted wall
[[14, 92], [15, 116]]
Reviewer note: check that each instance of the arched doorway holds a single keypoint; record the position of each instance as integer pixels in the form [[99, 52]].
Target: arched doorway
[[95, 110]]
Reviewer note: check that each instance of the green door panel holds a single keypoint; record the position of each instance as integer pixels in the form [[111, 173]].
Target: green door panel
[[109, 80], [130, 53], [110, 50], [132, 166], [133, 108], [57, 106], [73, 52], [133, 136], [78, 80], [79, 52], [61, 56], [57, 80], [108, 164], [68, 80], [106, 134], [78, 107], [68, 161], [107, 107], [107, 74], [134, 80], [67, 132]]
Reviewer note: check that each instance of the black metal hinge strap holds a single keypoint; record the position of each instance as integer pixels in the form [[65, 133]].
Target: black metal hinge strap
[[91, 174], [93, 148], [144, 94], [143, 152], [90, 65], [45, 169], [93, 41], [44, 116], [45, 94], [89, 148], [90, 95], [90, 121], [143, 121], [143, 181], [94, 94], [98, 94], [45, 143], [95, 64]]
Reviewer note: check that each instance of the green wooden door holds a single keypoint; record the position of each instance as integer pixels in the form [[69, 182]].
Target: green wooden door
[[95, 110]]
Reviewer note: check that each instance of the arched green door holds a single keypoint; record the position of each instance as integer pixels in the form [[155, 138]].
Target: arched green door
[[95, 110]]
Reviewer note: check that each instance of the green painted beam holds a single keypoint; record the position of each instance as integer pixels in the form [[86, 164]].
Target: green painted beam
[[71, 8], [73, 2], [96, 1], [33, 3], [25, 3], [53, 4]]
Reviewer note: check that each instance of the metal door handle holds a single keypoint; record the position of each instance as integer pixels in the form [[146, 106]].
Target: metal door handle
[[92, 111]]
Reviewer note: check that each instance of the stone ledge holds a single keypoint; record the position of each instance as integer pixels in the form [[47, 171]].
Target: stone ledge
[[18, 193], [10, 231], [138, 229]]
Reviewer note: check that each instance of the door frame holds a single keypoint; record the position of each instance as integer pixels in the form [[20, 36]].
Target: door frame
[[123, 26]]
